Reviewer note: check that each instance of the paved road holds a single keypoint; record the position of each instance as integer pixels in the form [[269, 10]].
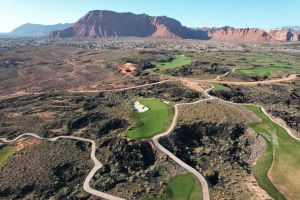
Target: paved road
[[223, 75], [97, 163], [205, 190]]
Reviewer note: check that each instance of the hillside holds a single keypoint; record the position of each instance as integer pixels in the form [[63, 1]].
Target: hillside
[[35, 30]]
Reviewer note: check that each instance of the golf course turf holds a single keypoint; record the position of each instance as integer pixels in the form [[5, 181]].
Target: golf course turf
[[278, 169], [152, 122], [219, 87], [178, 61], [266, 65], [273, 59], [266, 71], [5, 152], [183, 187]]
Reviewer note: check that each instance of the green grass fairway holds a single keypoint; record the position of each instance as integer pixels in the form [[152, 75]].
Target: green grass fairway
[[178, 61], [152, 122], [278, 169], [5, 153], [274, 59], [266, 71], [183, 187], [219, 87]]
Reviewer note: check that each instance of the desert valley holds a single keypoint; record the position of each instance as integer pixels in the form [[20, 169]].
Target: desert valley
[[120, 105]]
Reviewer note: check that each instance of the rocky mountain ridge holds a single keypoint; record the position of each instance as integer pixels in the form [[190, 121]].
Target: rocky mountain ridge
[[103, 23]]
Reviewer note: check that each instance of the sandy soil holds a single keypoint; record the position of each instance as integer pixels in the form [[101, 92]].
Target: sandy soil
[[26, 142]]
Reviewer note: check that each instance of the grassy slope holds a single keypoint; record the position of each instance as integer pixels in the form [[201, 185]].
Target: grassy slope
[[266, 71], [5, 153], [178, 61], [183, 187], [152, 122], [272, 64], [219, 87], [268, 58], [285, 170]]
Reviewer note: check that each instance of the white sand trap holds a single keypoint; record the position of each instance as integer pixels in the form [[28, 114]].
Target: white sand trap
[[166, 102], [140, 107]]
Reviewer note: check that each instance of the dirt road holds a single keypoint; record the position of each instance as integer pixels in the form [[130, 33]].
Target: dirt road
[[291, 77], [119, 89]]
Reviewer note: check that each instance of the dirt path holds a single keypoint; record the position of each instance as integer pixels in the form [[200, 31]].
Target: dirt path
[[24, 93], [119, 89], [16, 94], [97, 163], [186, 80], [291, 77]]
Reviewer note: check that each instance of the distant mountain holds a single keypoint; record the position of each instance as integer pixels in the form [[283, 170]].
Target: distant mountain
[[295, 28], [4, 35], [228, 33], [35, 30], [285, 34], [104, 23]]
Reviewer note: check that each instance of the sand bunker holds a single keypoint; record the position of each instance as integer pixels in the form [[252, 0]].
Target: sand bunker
[[140, 107]]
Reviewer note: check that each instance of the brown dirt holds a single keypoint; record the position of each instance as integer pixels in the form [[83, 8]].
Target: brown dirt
[[193, 85], [44, 115], [13, 114], [214, 111], [258, 193], [25, 143], [127, 69], [291, 77], [284, 124]]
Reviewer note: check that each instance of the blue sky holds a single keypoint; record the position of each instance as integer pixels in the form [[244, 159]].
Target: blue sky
[[194, 13]]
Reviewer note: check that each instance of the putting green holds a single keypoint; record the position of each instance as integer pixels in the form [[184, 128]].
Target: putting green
[[278, 169], [152, 122], [183, 187], [266, 71], [5, 153], [178, 61]]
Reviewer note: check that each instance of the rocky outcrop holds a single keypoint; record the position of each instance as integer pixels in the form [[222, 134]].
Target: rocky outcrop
[[228, 33], [108, 24], [163, 27], [100, 23], [295, 36], [285, 35]]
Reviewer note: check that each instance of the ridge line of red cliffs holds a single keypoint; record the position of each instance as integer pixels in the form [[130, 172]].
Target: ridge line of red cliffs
[[102, 23]]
